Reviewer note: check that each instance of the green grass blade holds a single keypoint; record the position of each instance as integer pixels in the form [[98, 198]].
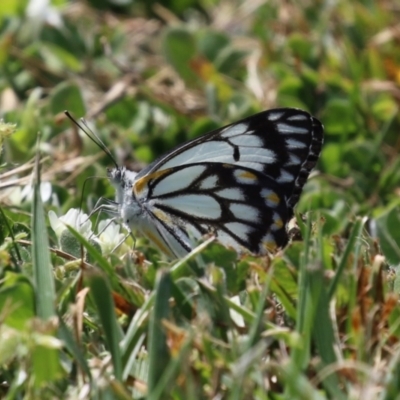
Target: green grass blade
[[42, 269], [355, 234], [284, 298], [133, 336], [257, 325], [158, 350], [101, 294], [170, 370], [73, 347], [301, 353], [322, 329]]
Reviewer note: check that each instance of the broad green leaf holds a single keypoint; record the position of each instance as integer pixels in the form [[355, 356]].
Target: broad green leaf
[[17, 300], [210, 43], [59, 59], [46, 363], [340, 117], [67, 96], [179, 47]]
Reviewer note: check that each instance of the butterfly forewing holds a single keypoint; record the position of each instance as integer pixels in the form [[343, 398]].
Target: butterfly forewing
[[284, 144], [239, 182]]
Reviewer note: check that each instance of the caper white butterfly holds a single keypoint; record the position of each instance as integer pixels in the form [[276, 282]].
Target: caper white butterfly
[[239, 183]]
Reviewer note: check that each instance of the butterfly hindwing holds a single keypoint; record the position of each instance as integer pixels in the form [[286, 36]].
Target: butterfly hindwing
[[244, 208]]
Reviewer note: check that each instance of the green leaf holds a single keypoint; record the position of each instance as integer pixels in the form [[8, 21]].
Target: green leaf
[[70, 244], [301, 46], [339, 117], [67, 96], [210, 43], [58, 58], [351, 249], [18, 298], [179, 48], [46, 366]]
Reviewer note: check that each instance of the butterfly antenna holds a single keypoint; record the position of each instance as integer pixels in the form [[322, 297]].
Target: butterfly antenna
[[92, 136]]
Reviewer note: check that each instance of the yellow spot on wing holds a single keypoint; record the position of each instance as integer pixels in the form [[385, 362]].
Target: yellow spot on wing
[[278, 223], [273, 198], [268, 243], [162, 216], [140, 184], [248, 175]]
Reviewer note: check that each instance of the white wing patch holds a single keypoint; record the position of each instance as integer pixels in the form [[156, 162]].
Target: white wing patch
[[254, 165], [239, 229], [227, 240], [244, 212], [237, 129], [274, 115], [209, 183], [178, 180], [297, 117], [260, 155], [295, 144], [231, 194], [222, 152], [293, 160], [285, 128], [285, 177], [247, 141], [215, 151], [195, 205]]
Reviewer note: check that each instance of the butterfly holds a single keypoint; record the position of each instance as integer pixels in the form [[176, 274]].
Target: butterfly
[[239, 183]]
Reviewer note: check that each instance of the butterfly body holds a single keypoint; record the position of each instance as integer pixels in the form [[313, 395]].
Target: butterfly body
[[239, 183]]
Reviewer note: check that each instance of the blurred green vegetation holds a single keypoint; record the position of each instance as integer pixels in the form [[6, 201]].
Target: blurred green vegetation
[[318, 321]]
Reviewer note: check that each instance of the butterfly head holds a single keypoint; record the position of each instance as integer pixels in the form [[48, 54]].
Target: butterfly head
[[116, 175], [122, 179]]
